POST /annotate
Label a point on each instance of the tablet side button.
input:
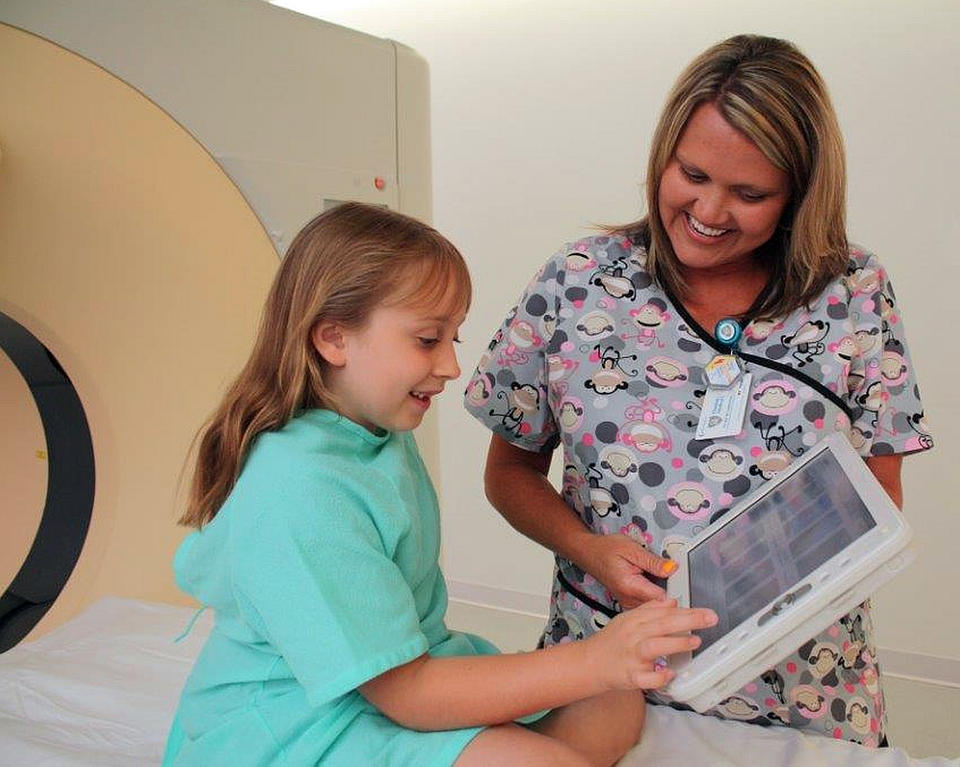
(675, 549)
(801, 591)
(783, 603)
(896, 563)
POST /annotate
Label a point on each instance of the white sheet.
(100, 691)
(684, 738)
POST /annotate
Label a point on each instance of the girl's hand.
(620, 564)
(625, 651)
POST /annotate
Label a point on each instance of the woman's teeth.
(420, 395)
(703, 229)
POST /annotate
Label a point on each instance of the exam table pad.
(100, 691)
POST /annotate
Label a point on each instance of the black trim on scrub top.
(708, 338)
(600, 607)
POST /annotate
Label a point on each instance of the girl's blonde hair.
(769, 91)
(341, 266)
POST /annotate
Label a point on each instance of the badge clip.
(728, 387)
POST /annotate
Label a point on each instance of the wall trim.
(507, 600)
(918, 667)
(903, 664)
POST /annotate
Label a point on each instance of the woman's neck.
(727, 291)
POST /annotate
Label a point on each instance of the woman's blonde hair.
(769, 91)
(341, 266)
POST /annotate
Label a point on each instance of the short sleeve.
(882, 387)
(316, 581)
(508, 390)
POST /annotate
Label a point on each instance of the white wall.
(542, 112)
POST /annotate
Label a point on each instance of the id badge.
(724, 409)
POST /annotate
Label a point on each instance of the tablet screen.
(775, 543)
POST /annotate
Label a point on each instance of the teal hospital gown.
(322, 569)
(597, 360)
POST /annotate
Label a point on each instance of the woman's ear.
(328, 340)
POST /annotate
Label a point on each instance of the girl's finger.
(639, 589)
(661, 602)
(669, 620)
(655, 609)
(651, 649)
(649, 615)
(652, 680)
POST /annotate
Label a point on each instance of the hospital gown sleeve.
(317, 582)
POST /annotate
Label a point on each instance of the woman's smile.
(700, 228)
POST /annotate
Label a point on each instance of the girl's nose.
(446, 365)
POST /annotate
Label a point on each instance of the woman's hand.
(626, 650)
(621, 564)
(516, 484)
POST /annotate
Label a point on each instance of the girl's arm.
(886, 468)
(516, 484)
(465, 691)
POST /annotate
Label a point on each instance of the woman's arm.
(516, 484)
(886, 468)
(515, 481)
(453, 692)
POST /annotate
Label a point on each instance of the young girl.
(319, 540)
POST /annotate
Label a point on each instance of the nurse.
(739, 281)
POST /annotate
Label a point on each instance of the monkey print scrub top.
(597, 358)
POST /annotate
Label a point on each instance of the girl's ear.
(329, 341)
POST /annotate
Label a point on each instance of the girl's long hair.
(769, 91)
(341, 266)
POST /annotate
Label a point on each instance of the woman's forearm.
(886, 468)
(516, 483)
(466, 691)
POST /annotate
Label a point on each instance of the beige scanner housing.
(156, 160)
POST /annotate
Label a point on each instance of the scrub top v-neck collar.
(709, 339)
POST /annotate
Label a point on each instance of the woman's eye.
(428, 342)
(753, 196)
(695, 176)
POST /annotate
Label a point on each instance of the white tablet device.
(781, 566)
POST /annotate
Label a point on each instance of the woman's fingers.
(651, 563)
(645, 561)
(621, 564)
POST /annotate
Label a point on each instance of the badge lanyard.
(728, 386)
